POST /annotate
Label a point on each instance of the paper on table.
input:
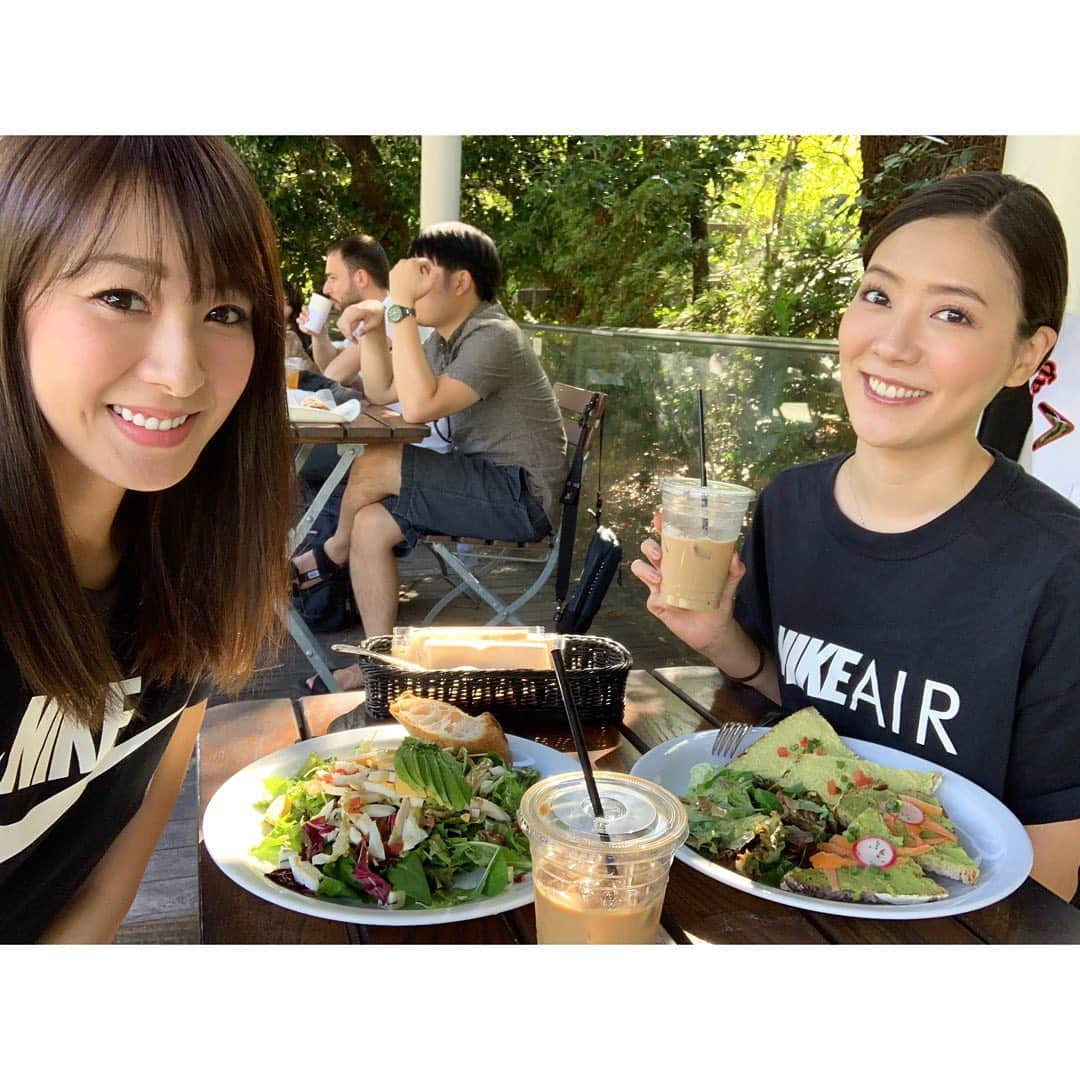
(346, 412)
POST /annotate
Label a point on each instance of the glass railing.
(769, 403)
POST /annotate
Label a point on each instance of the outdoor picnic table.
(375, 424)
(697, 909)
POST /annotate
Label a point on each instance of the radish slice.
(874, 851)
(910, 813)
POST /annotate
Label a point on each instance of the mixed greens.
(753, 824)
(414, 827)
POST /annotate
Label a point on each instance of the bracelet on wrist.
(756, 672)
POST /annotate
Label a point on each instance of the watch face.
(395, 312)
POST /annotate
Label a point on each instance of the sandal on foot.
(325, 569)
(317, 686)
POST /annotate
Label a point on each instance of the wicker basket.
(597, 668)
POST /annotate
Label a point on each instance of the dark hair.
(295, 299)
(1021, 220)
(206, 557)
(362, 252)
(454, 245)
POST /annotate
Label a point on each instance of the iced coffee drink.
(600, 882)
(701, 528)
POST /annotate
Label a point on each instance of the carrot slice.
(939, 829)
(833, 789)
(861, 779)
(828, 860)
(783, 752)
(920, 849)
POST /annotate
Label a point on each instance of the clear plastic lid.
(640, 817)
(683, 487)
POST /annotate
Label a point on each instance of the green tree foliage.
(602, 228)
(753, 235)
(784, 243)
(320, 188)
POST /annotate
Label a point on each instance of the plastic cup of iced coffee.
(700, 530)
(600, 882)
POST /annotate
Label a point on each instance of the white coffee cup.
(318, 312)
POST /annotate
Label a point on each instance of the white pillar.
(1051, 450)
(440, 178)
(1052, 164)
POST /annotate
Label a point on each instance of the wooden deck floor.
(165, 910)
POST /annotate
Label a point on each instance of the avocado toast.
(804, 749)
(865, 864)
(894, 832)
(926, 825)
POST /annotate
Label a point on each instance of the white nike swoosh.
(21, 834)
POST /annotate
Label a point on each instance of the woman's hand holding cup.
(706, 631)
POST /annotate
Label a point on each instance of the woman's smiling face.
(132, 374)
(931, 335)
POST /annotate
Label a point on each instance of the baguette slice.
(446, 725)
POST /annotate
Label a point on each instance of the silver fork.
(731, 732)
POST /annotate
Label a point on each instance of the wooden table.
(697, 909)
(375, 424)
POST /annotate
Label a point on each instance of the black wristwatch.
(395, 312)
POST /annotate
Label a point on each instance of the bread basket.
(597, 667)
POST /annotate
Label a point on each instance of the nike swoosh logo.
(21, 834)
(1059, 427)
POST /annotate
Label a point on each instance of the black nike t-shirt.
(65, 792)
(958, 641)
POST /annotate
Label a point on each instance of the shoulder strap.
(571, 496)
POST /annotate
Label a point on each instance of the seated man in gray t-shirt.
(507, 465)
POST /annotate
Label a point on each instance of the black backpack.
(604, 556)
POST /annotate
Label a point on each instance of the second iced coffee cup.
(600, 883)
(701, 527)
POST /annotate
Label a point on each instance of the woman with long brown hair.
(144, 497)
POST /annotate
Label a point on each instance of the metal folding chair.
(472, 560)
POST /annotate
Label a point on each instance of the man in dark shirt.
(507, 464)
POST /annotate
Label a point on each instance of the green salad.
(413, 827)
(753, 824)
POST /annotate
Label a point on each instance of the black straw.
(701, 433)
(575, 729)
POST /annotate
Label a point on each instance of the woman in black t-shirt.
(144, 497)
(963, 293)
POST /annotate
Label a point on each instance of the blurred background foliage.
(737, 234)
(750, 235)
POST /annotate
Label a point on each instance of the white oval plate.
(231, 827)
(990, 833)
